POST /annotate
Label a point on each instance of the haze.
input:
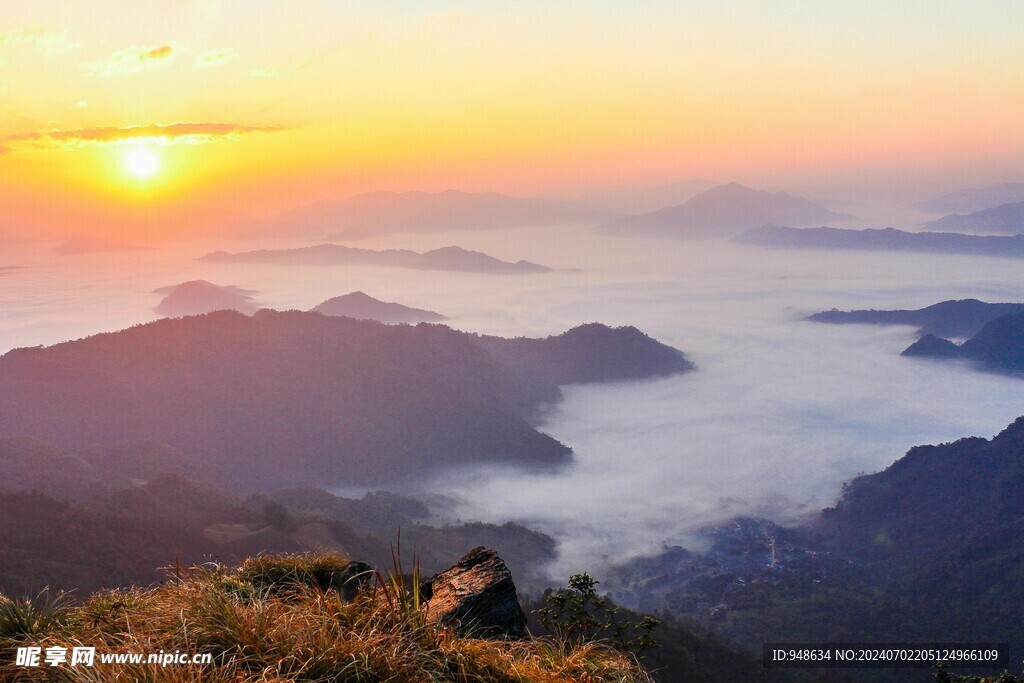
(254, 108)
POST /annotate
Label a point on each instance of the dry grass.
(271, 620)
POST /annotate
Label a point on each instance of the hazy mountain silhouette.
(28, 464)
(960, 318)
(375, 213)
(364, 307)
(884, 239)
(647, 199)
(127, 463)
(199, 296)
(974, 199)
(445, 258)
(93, 245)
(1005, 218)
(724, 211)
(998, 346)
(6, 270)
(290, 399)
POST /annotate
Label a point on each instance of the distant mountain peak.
(725, 211)
(196, 297)
(973, 199)
(362, 306)
(1004, 219)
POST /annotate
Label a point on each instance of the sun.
(141, 162)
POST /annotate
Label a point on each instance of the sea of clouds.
(779, 413)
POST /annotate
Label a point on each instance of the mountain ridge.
(723, 211)
(884, 239)
(362, 306)
(951, 318)
(998, 346)
(1005, 219)
(289, 398)
(450, 258)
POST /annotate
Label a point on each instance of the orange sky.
(260, 105)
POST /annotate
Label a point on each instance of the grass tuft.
(279, 618)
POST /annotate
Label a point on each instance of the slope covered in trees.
(953, 318)
(291, 399)
(999, 346)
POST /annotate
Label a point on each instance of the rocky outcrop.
(476, 597)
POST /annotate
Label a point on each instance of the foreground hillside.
(296, 399)
(930, 549)
(118, 534)
(297, 618)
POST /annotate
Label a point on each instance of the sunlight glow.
(141, 162)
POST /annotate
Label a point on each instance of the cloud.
(132, 60)
(164, 134)
(213, 58)
(42, 40)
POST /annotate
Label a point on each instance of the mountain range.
(723, 212)
(292, 399)
(1003, 219)
(929, 549)
(960, 318)
(637, 200)
(884, 239)
(999, 345)
(973, 199)
(446, 258)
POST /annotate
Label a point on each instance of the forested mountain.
(960, 318)
(931, 548)
(999, 345)
(290, 399)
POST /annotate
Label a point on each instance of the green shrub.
(582, 615)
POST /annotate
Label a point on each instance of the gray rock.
(476, 597)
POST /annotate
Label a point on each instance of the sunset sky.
(111, 107)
